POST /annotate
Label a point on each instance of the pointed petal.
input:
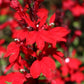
(52, 19)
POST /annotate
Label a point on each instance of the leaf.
(8, 82)
(3, 18)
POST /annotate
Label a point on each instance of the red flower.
(74, 63)
(20, 34)
(82, 10)
(53, 52)
(53, 36)
(14, 4)
(78, 77)
(67, 4)
(65, 70)
(52, 19)
(14, 78)
(46, 65)
(38, 32)
(77, 10)
(58, 81)
(12, 51)
(2, 26)
(4, 11)
(12, 23)
(18, 65)
(78, 33)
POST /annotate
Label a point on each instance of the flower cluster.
(74, 6)
(33, 51)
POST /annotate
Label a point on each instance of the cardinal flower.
(13, 78)
(12, 51)
(38, 31)
(45, 66)
(77, 10)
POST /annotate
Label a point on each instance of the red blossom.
(78, 33)
(78, 77)
(65, 70)
(20, 34)
(52, 19)
(46, 36)
(12, 51)
(57, 81)
(18, 65)
(34, 51)
(77, 10)
(46, 65)
(14, 78)
(67, 4)
(74, 63)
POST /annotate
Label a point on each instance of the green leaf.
(76, 24)
(41, 77)
(2, 18)
(21, 1)
(83, 82)
(58, 64)
(76, 42)
(8, 82)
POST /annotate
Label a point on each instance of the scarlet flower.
(53, 52)
(65, 70)
(78, 77)
(68, 4)
(20, 34)
(12, 23)
(12, 51)
(18, 65)
(4, 11)
(46, 36)
(77, 10)
(74, 63)
(78, 33)
(14, 4)
(45, 66)
(38, 30)
(57, 81)
(14, 78)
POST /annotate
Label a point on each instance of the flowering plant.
(33, 52)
